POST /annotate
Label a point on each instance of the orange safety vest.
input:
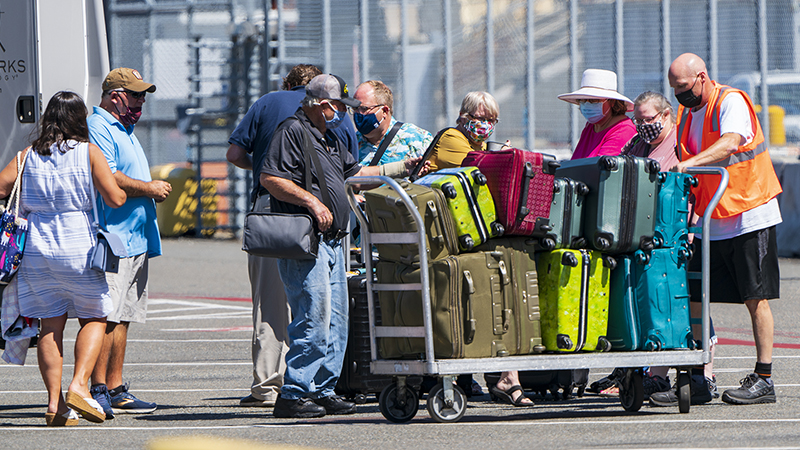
(752, 181)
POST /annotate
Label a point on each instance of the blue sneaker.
(100, 395)
(125, 403)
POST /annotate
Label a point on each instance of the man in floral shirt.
(374, 122)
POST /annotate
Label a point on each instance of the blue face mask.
(593, 112)
(338, 117)
(366, 123)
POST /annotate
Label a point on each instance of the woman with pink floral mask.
(607, 128)
(476, 121)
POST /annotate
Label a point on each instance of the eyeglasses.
(325, 102)
(365, 109)
(590, 100)
(134, 94)
(484, 119)
(645, 120)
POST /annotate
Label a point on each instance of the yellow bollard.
(777, 131)
(177, 214)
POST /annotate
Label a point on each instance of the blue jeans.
(317, 293)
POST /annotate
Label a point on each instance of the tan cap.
(124, 78)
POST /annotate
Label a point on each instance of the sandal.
(87, 407)
(67, 419)
(507, 395)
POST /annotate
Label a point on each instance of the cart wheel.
(684, 392)
(393, 409)
(441, 412)
(631, 390)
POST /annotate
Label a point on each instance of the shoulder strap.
(385, 143)
(17, 189)
(414, 176)
(91, 188)
(309, 151)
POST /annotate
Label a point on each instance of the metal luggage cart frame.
(446, 401)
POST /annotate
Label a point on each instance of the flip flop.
(507, 397)
(67, 419)
(88, 407)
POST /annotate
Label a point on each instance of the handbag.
(14, 228)
(287, 236)
(109, 247)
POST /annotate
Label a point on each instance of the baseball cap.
(124, 78)
(331, 87)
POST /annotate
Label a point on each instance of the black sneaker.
(334, 404)
(700, 388)
(653, 384)
(753, 389)
(302, 408)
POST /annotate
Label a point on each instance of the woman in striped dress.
(54, 281)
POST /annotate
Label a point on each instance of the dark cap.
(331, 87)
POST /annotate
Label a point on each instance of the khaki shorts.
(128, 290)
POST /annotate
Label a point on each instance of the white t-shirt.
(734, 117)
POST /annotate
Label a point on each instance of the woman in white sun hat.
(607, 129)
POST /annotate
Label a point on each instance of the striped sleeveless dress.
(54, 277)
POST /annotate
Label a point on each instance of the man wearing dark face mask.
(717, 125)
(374, 122)
(111, 128)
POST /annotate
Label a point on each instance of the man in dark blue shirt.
(249, 143)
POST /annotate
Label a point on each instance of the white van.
(784, 91)
(46, 46)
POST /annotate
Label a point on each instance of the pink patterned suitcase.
(521, 183)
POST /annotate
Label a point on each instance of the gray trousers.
(271, 317)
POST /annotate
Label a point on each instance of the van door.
(19, 98)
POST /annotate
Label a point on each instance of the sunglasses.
(134, 94)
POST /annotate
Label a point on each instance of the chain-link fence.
(432, 52)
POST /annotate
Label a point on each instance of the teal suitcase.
(672, 218)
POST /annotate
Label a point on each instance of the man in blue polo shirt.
(111, 129)
(249, 143)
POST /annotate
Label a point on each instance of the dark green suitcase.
(471, 298)
(388, 214)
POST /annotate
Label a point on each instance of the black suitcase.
(560, 383)
(356, 381)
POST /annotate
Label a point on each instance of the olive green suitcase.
(388, 214)
(520, 252)
(573, 296)
(471, 297)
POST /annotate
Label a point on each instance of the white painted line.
(182, 341)
(141, 390)
(249, 329)
(225, 315)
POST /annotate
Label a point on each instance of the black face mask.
(687, 97)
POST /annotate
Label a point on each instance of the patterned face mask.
(649, 131)
(479, 130)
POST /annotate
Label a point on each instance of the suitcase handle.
(527, 176)
(505, 281)
(430, 208)
(470, 325)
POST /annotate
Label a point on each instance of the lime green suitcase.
(470, 204)
(573, 296)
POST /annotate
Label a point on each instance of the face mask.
(687, 97)
(337, 119)
(649, 131)
(366, 123)
(593, 112)
(479, 130)
(130, 116)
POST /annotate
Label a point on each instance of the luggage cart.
(447, 402)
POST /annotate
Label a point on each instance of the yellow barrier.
(777, 131)
(177, 215)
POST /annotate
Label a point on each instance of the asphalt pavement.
(192, 357)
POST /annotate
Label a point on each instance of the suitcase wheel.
(653, 344)
(581, 188)
(449, 191)
(556, 189)
(360, 399)
(603, 344)
(480, 179)
(647, 243)
(547, 244)
(611, 263)
(498, 229)
(608, 163)
(563, 342)
(466, 242)
(602, 243)
(653, 166)
(658, 242)
(579, 242)
(569, 259)
(642, 257)
(662, 177)
(692, 181)
(685, 254)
